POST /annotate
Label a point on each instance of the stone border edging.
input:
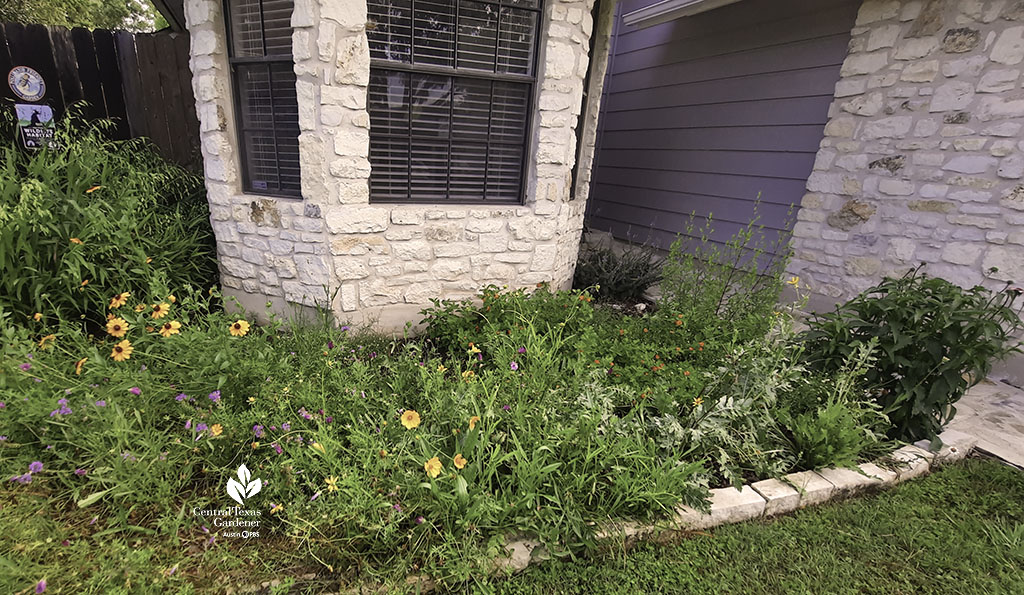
(771, 497)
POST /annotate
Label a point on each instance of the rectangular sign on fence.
(35, 124)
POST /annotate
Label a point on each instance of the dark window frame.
(530, 80)
(269, 60)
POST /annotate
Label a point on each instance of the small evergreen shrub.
(617, 275)
(935, 340)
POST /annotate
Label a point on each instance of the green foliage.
(935, 340)
(94, 217)
(617, 274)
(897, 542)
(728, 289)
(132, 15)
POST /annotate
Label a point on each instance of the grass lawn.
(960, 530)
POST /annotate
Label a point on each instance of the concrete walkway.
(993, 412)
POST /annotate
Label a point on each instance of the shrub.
(935, 340)
(92, 213)
(617, 274)
(726, 289)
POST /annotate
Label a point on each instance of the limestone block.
(997, 81)
(891, 127)
(847, 481)
(896, 187)
(813, 488)
(356, 220)
(450, 269)
(864, 63)
(961, 253)
(1009, 47)
(920, 72)
(1007, 262)
(865, 105)
(884, 477)
(960, 40)
(877, 10)
(953, 95)
(883, 37)
(955, 446)
(779, 497)
(916, 48)
(970, 164)
(728, 505)
(911, 462)
(1011, 167)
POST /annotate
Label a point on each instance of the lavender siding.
(704, 113)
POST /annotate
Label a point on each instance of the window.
(260, 36)
(451, 87)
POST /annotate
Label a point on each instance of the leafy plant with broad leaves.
(935, 340)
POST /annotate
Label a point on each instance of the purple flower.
(328, 419)
(181, 397)
(215, 396)
(397, 507)
(62, 401)
(305, 414)
(188, 425)
(3, 405)
(40, 586)
(277, 448)
(257, 431)
(420, 520)
(343, 329)
(315, 496)
(286, 426)
(3, 438)
(202, 427)
(25, 367)
(35, 467)
(101, 403)
(330, 344)
(135, 390)
(479, 357)
(127, 456)
(513, 366)
(23, 479)
(507, 407)
(80, 472)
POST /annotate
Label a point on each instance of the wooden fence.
(140, 80)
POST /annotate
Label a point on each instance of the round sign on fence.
(26, 83)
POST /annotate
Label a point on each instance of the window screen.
(268, 115)
(451, 83)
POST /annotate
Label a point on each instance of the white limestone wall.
(377, 262)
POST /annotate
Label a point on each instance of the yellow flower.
(140, 307)
(78, 366)
(84, 283)
(276, 508)
(37, 316)
(122, 351)
(473, 350)
(170, 328)
(318, 447)
(216, 430)
(468, 374)
(172, 299)
(239, 328)
(160, 310)
(473, 421)
(148, 260)
(441, 368)
(76, 241)
(93, 189)
(119, 300)
(697, 401)
(332, 484)
(433, 467)
(460, 461)
(410, 419)
(117, 327)
(794, 281)
(46, 341)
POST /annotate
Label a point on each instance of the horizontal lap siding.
(705, 114)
